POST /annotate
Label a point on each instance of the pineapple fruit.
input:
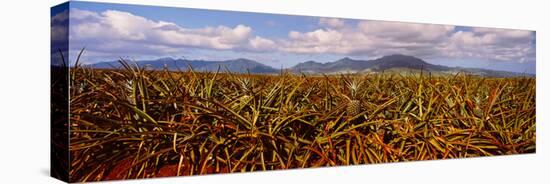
(354, 106)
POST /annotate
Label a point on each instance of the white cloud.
(120, 33)
(59, 27)
(117, 31)
(492, 44)
(373, 38)
(261, 44)
(332, 22)
(378, 38)
(400, 31)
(60, 17)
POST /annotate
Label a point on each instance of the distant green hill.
(236, 65)
(391, 63)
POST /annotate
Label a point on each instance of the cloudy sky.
(111, 31)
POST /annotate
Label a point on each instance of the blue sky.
(111, 31)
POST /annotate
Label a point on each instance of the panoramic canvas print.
(147, 91)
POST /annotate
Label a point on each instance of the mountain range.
(236, 65)
(390, 63)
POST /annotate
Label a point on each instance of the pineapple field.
(138, 123)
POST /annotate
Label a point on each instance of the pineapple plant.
(474, 107)
(246, 87)
(354, 106)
